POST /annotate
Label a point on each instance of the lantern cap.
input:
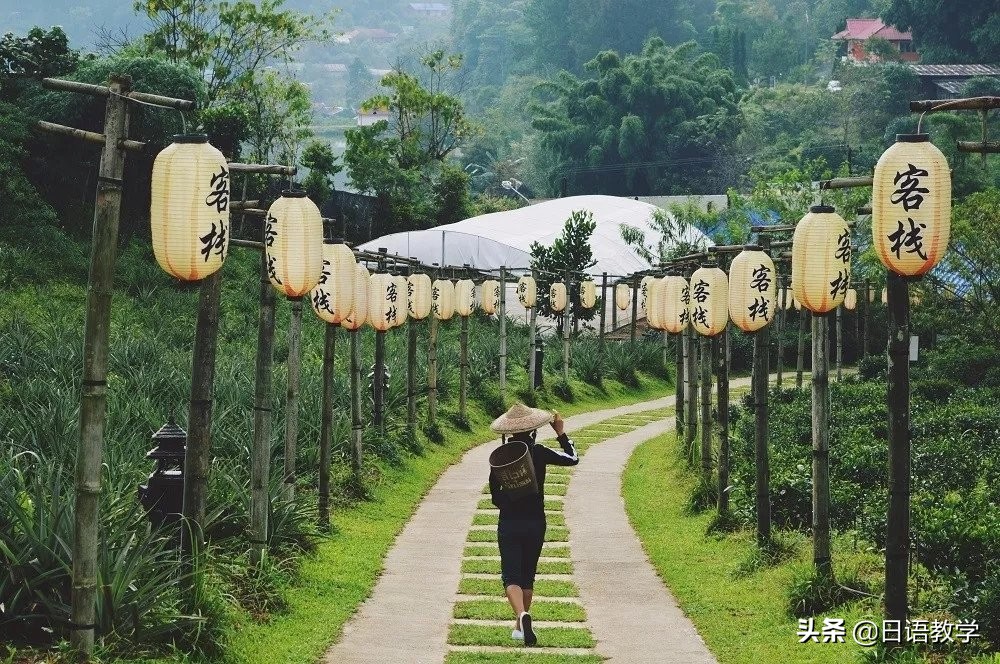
(912, 138)
(822, 209)
(190, 138)
(293, 193)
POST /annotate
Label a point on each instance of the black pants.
(520, 546)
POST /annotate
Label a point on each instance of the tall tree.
(952, 31)
(570, 251)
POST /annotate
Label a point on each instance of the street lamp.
(512, 185)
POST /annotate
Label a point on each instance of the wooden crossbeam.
(104, 91)
(88, 136)
(970, 104)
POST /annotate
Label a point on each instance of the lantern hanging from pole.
(189, 208)
(359, 310)
(709, 305)
(623, 296)
(403, 288)
(675, 292)
(465, 297)
(885, 296)
(490, 296)
(527, 291)
(655, 308)
(557, 296)
(911, 206)
(293, 243)
(644, 293)
(443, 299)
(333, 297)
(418, 288)
(752, 289)
(851, 299)
(821, 260)
(384, 302)
(588, 294)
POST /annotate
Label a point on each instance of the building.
(860, 30)
(433, 9)
(947, 81)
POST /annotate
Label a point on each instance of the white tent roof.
(490, 241)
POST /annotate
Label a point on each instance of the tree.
(280, 112)
(361, 85)
(318, 157)
(37, 55)
(953, 31)
(570, 251)
(657, 122)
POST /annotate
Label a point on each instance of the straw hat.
(521, 418)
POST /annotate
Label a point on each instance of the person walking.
(521, 527)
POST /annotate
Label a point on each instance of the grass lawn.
(493, 519)
(549, 637)
(493, 587)
(519, 658)
(493, 567)
(345, 569)
(500, 610)
(742, 618)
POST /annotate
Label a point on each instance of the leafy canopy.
(570, 251)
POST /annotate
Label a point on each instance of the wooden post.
(604, 307)
(723, 397)
(357, 427)
(779, 321)
(680, 341)
(761, 453)
(705, 348)
(532, 331)
(463, 368)
(503, 333)
(804, 317)
(411, 377)
(898, 397)
(635, 306)
(614, 310)
(432, 381)
(292, 396)
(197, 453)
(840, 341)
(326, 425)
(260, 469)
(821, 445)
(866, 342)
(93, 398)
(566, 330)
(692, 393)
(378, 384)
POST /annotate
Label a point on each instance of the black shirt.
(533, 507)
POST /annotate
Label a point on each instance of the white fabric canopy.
(490, 241)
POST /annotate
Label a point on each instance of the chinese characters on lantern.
(909, 195)
(215, 239)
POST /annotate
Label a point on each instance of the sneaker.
(517, 635)
(529, 634)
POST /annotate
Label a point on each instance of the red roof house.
(860, 30)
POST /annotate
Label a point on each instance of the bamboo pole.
(804, 317)
(463, 369)
(779, 320)
(969, 104)
(432, 372)
(761, 452)
(88, 136)
(503, 333)
(840, 342)
(723, 397)
(603, 314)
(821, 446)
(378, 384)
(898, 399)
(260, 473)
(326, 424)
(411, 378)
(614, 312)
(705, 348)
(979, 147)
(692, 393)
(680, 350)
(866, 341)
(532, 331)
(635, 307)
(292, 396)
(93, 398)
(357, 427)
(566, 330)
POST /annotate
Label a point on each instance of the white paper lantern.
(676, 298)
(293, 243)
(527, 291)
(419, 296)
(333, 297)
(443, 299)
(851, 299)
(644, 292)
(403, 288)
(655, 304)
(821, 260)
(623, 296)
(465, 297)
(384, 302)
(752, 289)
(359, 310)
(709, 301)
(189, 208)
(588, 294)
(557, 296)
(911, 206)
(490, 296)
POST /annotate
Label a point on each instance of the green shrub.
(812, 592)
(962, 361)
(622, 362)
(873, 367)
(588, 363)
(563, 390)
(934, 389)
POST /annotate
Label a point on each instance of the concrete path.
(406, 619)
